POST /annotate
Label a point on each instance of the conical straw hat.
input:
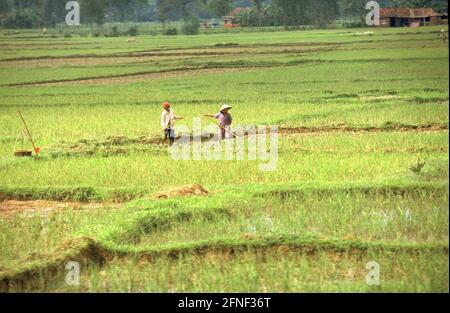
(224, 107)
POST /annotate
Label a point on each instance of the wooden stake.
(28, 131)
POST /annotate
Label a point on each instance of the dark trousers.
(170, 134)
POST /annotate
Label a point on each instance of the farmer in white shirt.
(168, 118)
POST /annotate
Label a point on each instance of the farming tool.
(22, 152)
(218, 124)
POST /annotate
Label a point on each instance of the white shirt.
(167, 118)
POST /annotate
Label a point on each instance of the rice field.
(362, 170)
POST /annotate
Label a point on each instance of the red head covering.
(166, 105)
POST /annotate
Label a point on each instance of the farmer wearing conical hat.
(168, 118)
(225, 120)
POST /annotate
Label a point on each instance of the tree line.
(287, 13)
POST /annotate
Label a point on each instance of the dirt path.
(31, 207)
(149, 55)
(90, 61)
(136, 77)
(344, 129)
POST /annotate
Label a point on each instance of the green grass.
(366, 218)
(386, 235)
(362, 172)
(104, 46)
(263, 272)
(29, 237)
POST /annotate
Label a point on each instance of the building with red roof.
(232, 20)
(411, 17)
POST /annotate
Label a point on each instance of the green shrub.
(23, 18)
(133, 31)
(114, 32)
(172, 31)
(354, 24)
(191, 27)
